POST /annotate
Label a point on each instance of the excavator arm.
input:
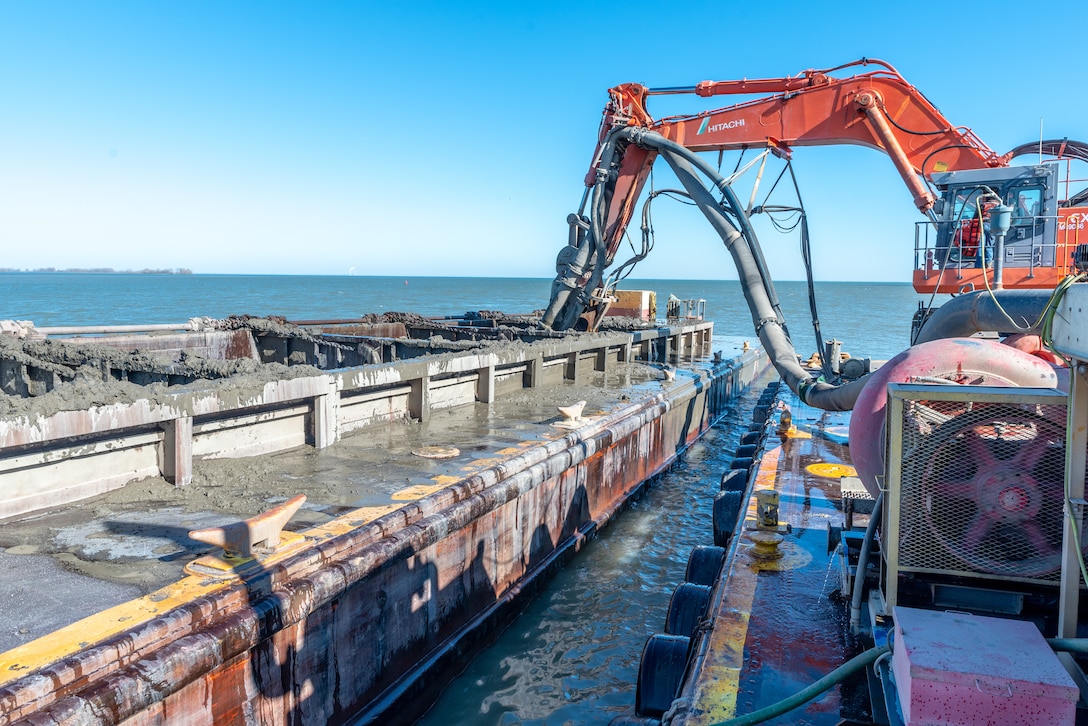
(878, 109)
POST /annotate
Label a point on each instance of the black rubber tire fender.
(735, 480)
(687, 607)
(704, 565)
(660, 673)
(726, 512)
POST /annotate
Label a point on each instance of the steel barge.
(430, 475)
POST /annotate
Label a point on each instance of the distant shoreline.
(418, 278)
(101, 271)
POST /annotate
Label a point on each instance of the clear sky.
(425, 138)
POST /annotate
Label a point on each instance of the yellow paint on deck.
(792, 558)
(63, 642)
(223, 565)
(795, 433)
(441, 481)
(714, 697)
(417, 491)
(66, 641)
(831, 471)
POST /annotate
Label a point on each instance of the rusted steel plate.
(354, 622)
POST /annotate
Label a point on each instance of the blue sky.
(450, 139)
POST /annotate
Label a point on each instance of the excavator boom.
(878, 109)
(874, 108)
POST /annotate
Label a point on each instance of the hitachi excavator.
(975, 485)
(988, 225)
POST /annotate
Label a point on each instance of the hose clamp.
(766, 321)
(803, 389)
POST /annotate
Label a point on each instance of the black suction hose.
(755, 282)
(561, 314)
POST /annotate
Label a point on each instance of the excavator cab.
(963, 250)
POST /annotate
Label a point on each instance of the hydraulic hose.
(561, 312)
(1068, 645)
(755, 282)
(850, 667)
(805, 695)
(863, 564)
(1004, 311)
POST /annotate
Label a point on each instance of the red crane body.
(878, 109)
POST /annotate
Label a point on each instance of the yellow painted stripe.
(66, 641)
(714, 697)
(69, 640)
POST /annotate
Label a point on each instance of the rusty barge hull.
(355, 620)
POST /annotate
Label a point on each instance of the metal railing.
(931, 257)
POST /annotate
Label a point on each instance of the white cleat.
(572, 412)
(670, 373)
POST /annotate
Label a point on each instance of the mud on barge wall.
(82, 420)
(352, 620)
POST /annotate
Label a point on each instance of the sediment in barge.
(351, 616)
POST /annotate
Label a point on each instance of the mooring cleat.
(573, 412)
(259, 535)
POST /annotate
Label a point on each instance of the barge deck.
(398, 563)
(948, 591)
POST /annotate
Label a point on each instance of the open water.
(872, 319)
(572, 657)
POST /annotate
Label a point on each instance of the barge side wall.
(358, 621)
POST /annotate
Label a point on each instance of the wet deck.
(779, 621)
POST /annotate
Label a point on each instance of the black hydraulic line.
(776, 181)
(806, 255)
(1056, 148)
(733, 205)
(756, 286)
(562, 311)
(908, 131)
(933, 153)
(621, 271)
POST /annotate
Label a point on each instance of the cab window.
(1027, 203)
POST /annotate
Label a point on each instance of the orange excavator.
(988, 224)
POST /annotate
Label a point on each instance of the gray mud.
(138, 535)
(82, 374)
(83, 557)
(90, 390)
